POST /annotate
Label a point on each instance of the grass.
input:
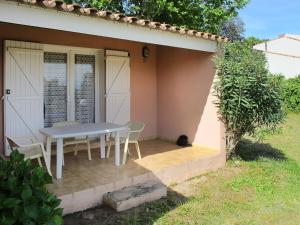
(261, 186)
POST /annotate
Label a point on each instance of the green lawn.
(262, 187)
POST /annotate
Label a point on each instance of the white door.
(117, 88)
(23, 100)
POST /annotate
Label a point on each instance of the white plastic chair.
(131, 137)
(74, 141)
(33, 150)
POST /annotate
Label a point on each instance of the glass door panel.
(84, 71)
(55, 88)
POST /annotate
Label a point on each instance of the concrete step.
(133, 196)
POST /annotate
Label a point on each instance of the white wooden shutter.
(117, 87)
(24, 80)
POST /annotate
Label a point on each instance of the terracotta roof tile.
(164, 26)
(173, 28)
(65, 7)
(116, 16)
(130, 19)
(154, 25)
(191, 32)
(182, 30)
(49, 3)
(76, 8)
(102, 13)
(142, 22)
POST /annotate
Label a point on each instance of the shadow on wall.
(185, 106)
(251, 151)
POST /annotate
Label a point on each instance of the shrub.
(248, 97)
(292, 94)
(24, 198)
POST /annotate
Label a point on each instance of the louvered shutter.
(23, 90)
(117, 87)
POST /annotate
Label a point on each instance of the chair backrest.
(12, 144)
(29, 150)
(65, 123)
(135, 128)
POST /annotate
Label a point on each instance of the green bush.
(24, 198)
(292, 94)
(248, 97)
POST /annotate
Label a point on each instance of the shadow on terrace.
(84, 182)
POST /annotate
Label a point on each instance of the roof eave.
(61, 20)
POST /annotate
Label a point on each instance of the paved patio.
(84, 182)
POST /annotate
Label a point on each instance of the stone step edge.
(135, 195)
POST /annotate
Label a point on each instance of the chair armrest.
(31, 146)
(25, 139)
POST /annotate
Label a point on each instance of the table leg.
(59, 156)
(102, 146)
(125, 151)
(117, 148)
(48, 150)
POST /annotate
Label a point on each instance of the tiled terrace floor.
(161, 160)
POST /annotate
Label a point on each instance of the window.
(70, 86)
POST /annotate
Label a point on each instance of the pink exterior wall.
(143, 74)
(185, 101)
(170, 91)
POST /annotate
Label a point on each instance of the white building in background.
(283, 54)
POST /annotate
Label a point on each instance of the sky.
(269, 18)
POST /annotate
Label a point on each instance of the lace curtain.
(85, 88)
(55, 88)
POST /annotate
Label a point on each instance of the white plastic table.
(77, 130)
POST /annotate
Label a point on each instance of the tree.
(249, 98)
(251, 41)
(233, 29)
(205, 15)
(111, 5)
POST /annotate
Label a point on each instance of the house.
(283, 54)
(64, 62)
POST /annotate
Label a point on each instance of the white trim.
(281, 54)
(101, 107)
(70, 85)
(109, 52)
(12, 12)
(99, 60)
(66, 49)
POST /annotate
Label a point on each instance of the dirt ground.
(177, 194)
